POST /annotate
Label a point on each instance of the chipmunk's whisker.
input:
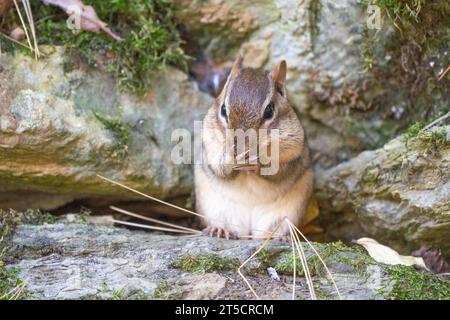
(320, 259)
(135, 215)
(145, 226)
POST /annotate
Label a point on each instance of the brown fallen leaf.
(434, 259)
(88, 19)
(383, 254)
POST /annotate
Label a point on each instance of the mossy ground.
(120, 294)
(11, 286)
(204, 263)
(148, 27)
(409, 284)
(432, 138)
(338, 252)
(166, 291)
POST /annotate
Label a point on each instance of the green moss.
(315, 10)
(285, 264)
(406, 283)
(264, 256)
(148, 27)
(412, 132)
(206, 263)
(11, 218)
(119, 294)
(82, 216)
(165, 291)
(336, 252)
(402, 11)
(120, 131)
(434, 138)
(370, 178)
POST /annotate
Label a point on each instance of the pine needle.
(145, 226)
(29, 13)
(294, 274)
(135, 215)
(444, 73)
(253, 255)
(25, 29)
(150, 197)
(303, 261)
(320, 259)
(15, 41)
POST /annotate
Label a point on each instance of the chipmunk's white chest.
(247, 205)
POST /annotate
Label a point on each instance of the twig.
(132, 214)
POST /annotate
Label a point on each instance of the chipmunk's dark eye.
(223, 111)
(268, 112)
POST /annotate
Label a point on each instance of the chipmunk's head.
(252, 99)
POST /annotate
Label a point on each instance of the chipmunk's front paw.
(219, 233)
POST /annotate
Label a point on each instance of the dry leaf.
(88, 19)
(312, 213)
(434, 259)
(386, 255)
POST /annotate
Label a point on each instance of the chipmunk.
(238, 201)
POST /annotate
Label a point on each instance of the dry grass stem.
(146, 226)
(135, 215)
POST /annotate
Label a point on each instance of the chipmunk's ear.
(279, 76)
(237, 66)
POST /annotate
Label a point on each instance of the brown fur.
(246, 202)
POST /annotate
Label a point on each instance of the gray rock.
(399, 194)
(82, 261)
(59, 129)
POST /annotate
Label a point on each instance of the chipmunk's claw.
(219, 233)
